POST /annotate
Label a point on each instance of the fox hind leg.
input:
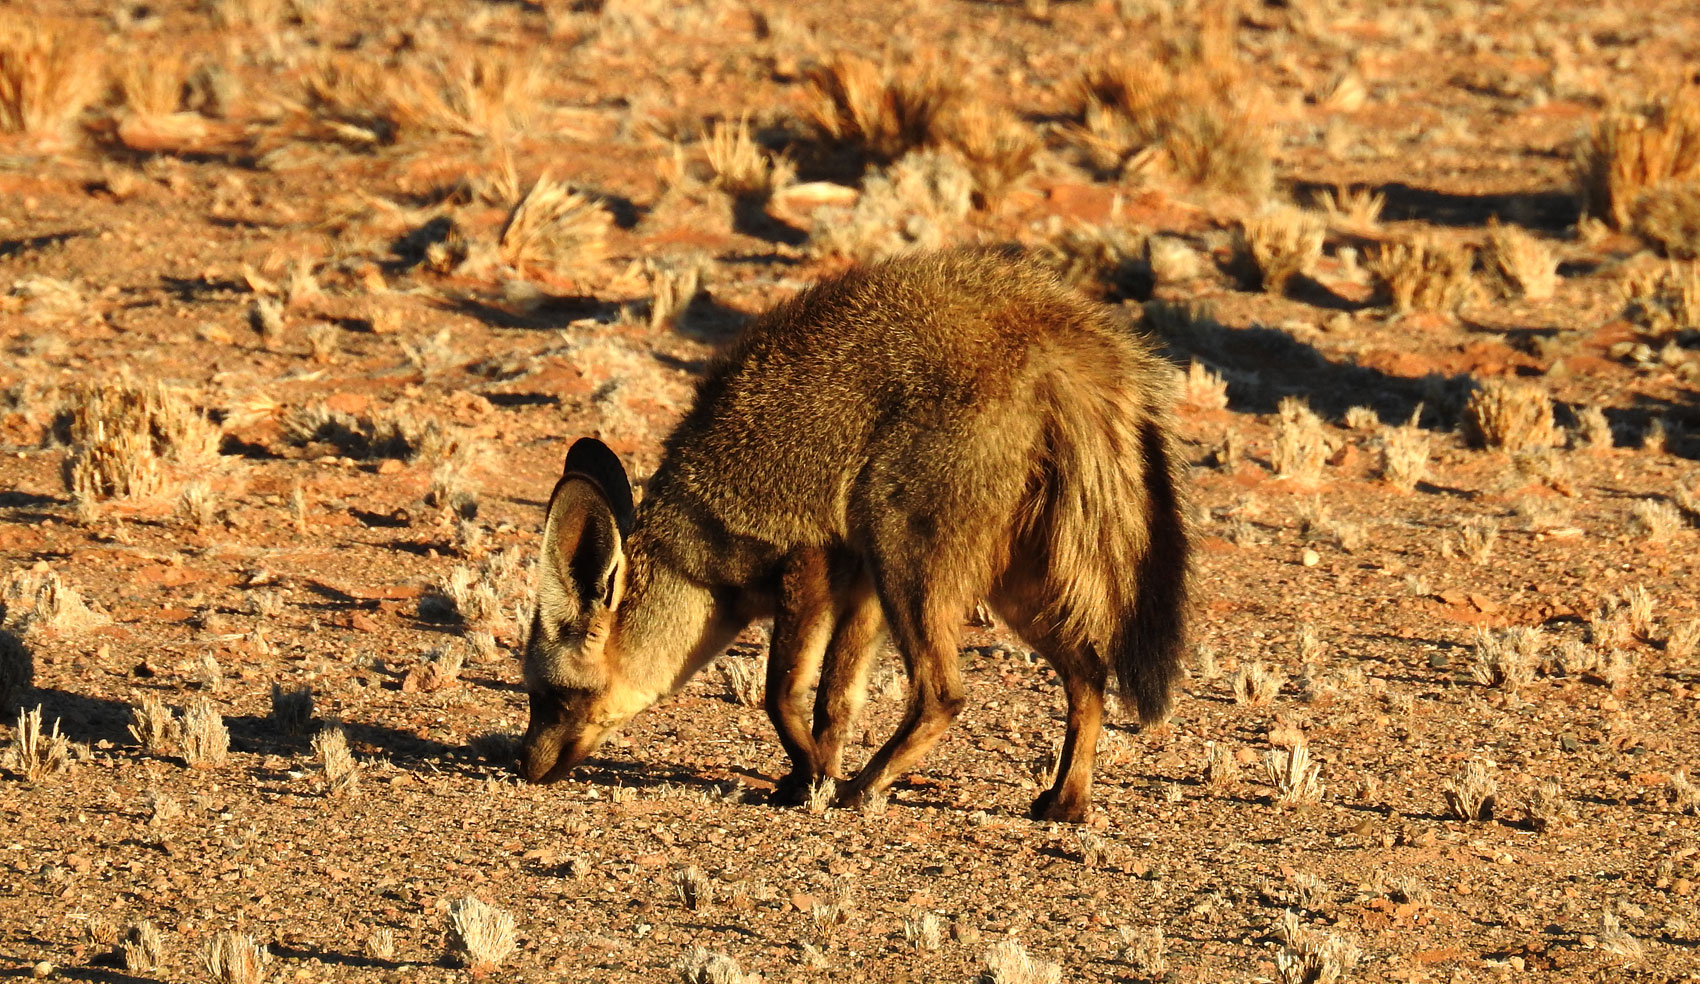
(844, 675)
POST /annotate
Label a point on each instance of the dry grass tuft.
(1424, 274)
(916, 204)
(1519, 263)
(1616, 940)
(1221, 768)
(1404, 455)
(1684, 794)
(1547, 808)
(399, 432)
(152, 726)
(234, 958)
(744, 676)
(700, 965)
(1146, 951)
(1470, 795)
(924, 932)
(694, 889)
(997, 149)
(487, 93)
(1301, 444)
(741, 168)
(49, 73)
(882, 112)
(1662, 301)
(37, 600)
(1633, 156)
(1352, 209)
(1193, 111)
(17, 670)
(555, 228)
(1506, 660)
(1009, 962)
(202, 738)
(35, 753)
(481, 935)
(330, 747)
(1316, 958)
(1255, 685)
(1669, 217)
(1272, 248)
(1512, 416)
(1203, 388)
(1297, 780)
(438, 669)
(123, 434)
(1655, 519)
(141, 950)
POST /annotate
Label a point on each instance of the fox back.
(941, 429)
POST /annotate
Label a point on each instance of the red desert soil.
(296, 216)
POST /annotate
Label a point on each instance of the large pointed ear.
(590, 459)
(583, 554)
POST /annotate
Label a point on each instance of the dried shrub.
(35, 753)
(1146, 951)
(693, 888)
(1592, 430)
(1512, 416)
(1297, 780)
(485, 93)
(1194, 111)
(1009, 962)
(1203, 388)
(1655, 519)
(437, 670)
(1519, 263)
(1353, 209)
(1470, 795)
(123, 434)
(1255, 685)
(1107, 260)
(744, 676)
(1404, 456)
(1669, 217)
(1663, 302)
(1221, 768)
(1301, 444)
(151, 83)
(38, 601)
(17, 670)
(202, 738)
(1316, 958)
(1477, 537)
(1547, 808)
(1506, 660)
(672, 289)
(481, 935)
(398, 432)
(1616, 940)
(152, 726)
(141, 951)
(1272, 248)
(924, 932)
(882, 112)
(700, 965)
(1424, 274)
(997, 150)
(917, 203)
(555, 228)
(234, 958)
(1633, 154)
(741, 168)
(49, 73)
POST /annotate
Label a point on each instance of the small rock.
(42, 969)
(1310, 558)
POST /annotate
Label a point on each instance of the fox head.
(574, 672)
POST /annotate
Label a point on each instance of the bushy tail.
(1114, 518)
